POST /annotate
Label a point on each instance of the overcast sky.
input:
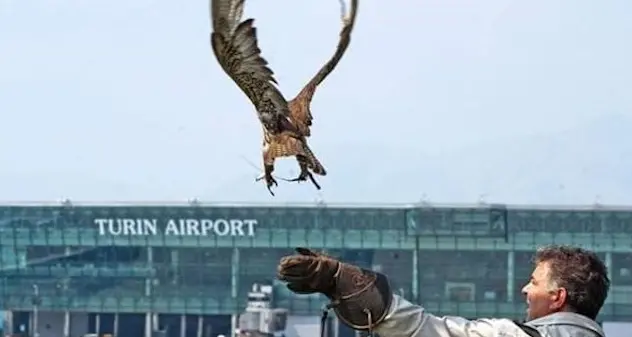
(123, 100)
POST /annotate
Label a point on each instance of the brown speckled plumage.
(286, 125)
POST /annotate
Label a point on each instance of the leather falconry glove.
(360, 297)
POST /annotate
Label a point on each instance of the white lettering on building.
(176, 227)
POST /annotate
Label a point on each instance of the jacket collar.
(568, 318)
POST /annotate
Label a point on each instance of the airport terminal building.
(130, 270)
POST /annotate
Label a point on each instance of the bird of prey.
(286, 124)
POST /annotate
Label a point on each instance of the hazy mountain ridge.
(579, 166)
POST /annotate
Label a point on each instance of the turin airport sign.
(175, 227)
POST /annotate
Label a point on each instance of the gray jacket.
(405, 319)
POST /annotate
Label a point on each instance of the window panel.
(198, 271)
(621, 269)
(398, 266)
(463, 275)
(259, 266)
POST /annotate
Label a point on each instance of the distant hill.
(579, 166)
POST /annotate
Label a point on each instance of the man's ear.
(559, 297)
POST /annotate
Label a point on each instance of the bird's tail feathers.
(313, 163)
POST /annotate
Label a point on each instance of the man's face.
(543, 298)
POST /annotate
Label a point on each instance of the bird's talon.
(270, 181)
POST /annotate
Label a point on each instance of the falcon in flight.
(286, 124)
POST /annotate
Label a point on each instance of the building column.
(511, 276)
(183, 325)
(97, 324)
(234, 274)
(148, 294)
(147, 324)
(175, 261)
(116, 325)
(8, 323)
(415, 266)
(154, 322)
(200, 326)
(608, 263)
(66, 323)
(36, 302)
(234, 288)
(65, 282)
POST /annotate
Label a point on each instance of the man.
(564, 295)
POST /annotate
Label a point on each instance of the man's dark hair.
(581, 273)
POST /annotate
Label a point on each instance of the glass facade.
(201, 260)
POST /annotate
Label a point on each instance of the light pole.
(36, 302)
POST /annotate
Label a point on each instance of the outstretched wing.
(300, 105)
(235, 46)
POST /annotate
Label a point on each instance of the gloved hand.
(309, 272)
(360, 297)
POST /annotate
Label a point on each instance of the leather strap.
(529, 330)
